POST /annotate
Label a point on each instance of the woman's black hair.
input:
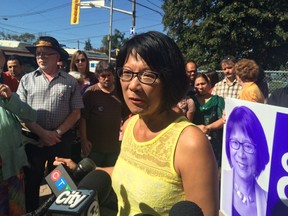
(163, 56)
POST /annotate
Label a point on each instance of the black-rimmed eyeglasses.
(145, 76)
(44, 54)
(248, 147)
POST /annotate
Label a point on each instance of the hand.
(66, 161)
(86, 147)
(49, 138)
(224, 116)
(205, 128)
(5, 91)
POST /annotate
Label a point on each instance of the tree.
(25, 37)
(117, 40)
(206, 31)
(88, 45)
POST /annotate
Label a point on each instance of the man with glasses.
(101, 118)
(191, 71)
(55, 96)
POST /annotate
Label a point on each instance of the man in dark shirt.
(101, 118)
(279, 97)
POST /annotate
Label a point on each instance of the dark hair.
(15, 58)
(163, 56)
(245, 119)
(191, 61)
(104, 66)
(203, 75)
(73, 66)
(228, 60)
(213, 77)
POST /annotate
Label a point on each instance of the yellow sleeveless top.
(144, 177)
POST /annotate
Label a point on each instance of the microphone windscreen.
(99, 181)
(84, 167)
(186, 208)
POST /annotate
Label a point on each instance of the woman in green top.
(208, 113)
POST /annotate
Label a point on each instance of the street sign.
(132, 31)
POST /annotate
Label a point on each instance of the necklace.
(246, 199)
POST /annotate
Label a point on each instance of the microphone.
(59, 180)
(84, 167)
(92, 191)
(186, 208)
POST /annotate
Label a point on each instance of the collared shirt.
(225, 90)
(53, 100)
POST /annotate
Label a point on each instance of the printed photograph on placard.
(251, 155)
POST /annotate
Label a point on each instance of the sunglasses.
(80, 60)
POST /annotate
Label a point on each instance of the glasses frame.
(44, 54)
(138, 74)
(244, 146)
(80, 60)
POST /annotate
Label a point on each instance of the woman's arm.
(72, 165)
(195, 163)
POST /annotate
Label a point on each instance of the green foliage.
(25, 37)
(88, 45)
(117, 40)
(208, 30)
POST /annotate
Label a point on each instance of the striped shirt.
(53, 100)
(226, 91)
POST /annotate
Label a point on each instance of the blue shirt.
(53, 100)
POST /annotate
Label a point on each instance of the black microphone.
(84, 167)
(186, 208)
(60, 180)
(92, 191)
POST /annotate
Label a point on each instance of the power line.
(37, 12)
(148, 8)
(154, 4)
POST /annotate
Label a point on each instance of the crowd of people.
(171, 117)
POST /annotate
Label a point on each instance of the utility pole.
(110, 32)
(133, 13)
(101, 4)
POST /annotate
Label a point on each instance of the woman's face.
(244, 163)
(143, 99)
(81, 62)
(201, 85)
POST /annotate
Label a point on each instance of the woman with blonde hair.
(80, 63)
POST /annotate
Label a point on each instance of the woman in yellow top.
(164, 158)
(247, 72)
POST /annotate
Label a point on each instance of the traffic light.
(75, 12)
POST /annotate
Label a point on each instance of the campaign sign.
(254, 174)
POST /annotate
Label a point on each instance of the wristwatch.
(58, 131)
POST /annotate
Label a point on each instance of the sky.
(52, 17)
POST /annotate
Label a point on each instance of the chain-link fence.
(275, 79)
